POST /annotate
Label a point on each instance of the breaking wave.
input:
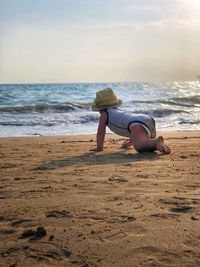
(160, 113)
(45, 107)
(190, 101)
(49, 121)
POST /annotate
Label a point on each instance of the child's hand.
(97, 149)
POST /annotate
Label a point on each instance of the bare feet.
(160, 146)
(126, 144)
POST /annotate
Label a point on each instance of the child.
(140, 128)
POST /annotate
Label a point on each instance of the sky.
(61, 41)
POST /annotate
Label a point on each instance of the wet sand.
(62, 206)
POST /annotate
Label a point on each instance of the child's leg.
(142, 143)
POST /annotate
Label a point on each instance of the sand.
(62, 206)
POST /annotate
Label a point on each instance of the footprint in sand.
(157, 256)
(179, 204)
(117, 179)
(34, 235)
(181, 209)
(22, 222)
(39, 252)
(6, 231)
(59, 214)
(3, 195)
(165, 215)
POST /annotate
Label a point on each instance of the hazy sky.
(99, 40)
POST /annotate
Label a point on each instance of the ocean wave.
(80, 118)
(28, 123)
(159, 113)
(46, 107)
(193, 99)
(189, 101)
(189, 122)
(48, 122)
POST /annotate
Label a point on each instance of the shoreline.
(114, 208)
(159, 132)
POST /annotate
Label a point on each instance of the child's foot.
(160, 146)
(126, 144)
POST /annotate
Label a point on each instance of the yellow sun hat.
(105, 99)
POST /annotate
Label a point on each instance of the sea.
(65, 109)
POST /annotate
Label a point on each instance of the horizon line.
(150, 81)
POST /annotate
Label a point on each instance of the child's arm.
(101, 131)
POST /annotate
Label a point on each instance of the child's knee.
(139, 147)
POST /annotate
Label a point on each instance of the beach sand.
(62, 206)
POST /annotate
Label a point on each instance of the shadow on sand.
(98, 159)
